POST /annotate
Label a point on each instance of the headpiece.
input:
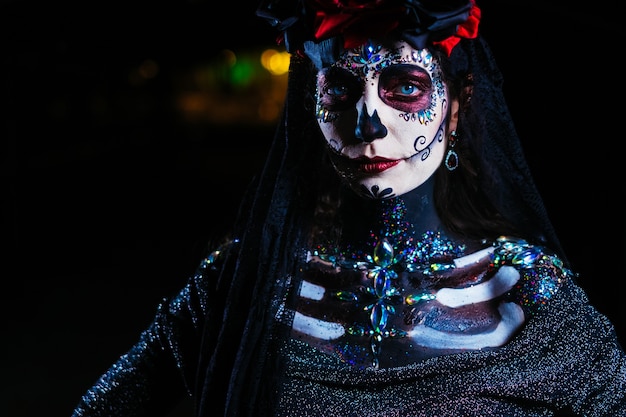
(322, 29)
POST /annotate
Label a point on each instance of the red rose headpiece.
(342, 24)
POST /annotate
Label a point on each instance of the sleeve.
(155, 374)
(579, 366)
(601, 378)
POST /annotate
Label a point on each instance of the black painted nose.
(368, 128)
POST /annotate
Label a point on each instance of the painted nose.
(368, 128)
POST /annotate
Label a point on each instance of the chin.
(398, 179)
(377, 188)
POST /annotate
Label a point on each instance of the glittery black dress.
(563, 361)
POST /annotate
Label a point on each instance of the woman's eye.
(337, 90)
(401, 94)
(407, 89)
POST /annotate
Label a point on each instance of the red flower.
(468, 30)
(422, 23)
(356, 20)
(359, 20)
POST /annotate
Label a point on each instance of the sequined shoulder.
(541, 271)
(216, 257)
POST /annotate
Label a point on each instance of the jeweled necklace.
(391, 249)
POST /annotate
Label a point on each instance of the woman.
(393, 259)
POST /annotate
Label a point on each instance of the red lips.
(376, 165)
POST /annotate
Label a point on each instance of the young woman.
(393, 259)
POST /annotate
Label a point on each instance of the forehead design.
(368, 60)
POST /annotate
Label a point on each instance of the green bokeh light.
(242, 73)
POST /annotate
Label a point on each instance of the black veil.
(254, 283)
(504, 175)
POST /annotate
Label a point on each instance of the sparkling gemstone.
(383, 253)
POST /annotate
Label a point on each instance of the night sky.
(109, 211)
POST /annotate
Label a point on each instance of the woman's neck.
(411, 214)
(420, 208)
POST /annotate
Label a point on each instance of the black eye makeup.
(405, 87)
(338, 89)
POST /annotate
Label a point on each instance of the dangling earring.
(452, 158)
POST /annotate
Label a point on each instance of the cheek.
(339, 132)
(409, 129)
(330, 135)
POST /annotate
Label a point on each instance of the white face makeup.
(383, 114)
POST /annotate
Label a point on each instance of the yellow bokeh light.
(277, 63)
(237, 88)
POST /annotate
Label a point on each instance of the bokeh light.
(236, 87)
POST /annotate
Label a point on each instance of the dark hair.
(461, 201)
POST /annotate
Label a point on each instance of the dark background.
(106, 212)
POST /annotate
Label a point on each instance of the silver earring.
(452, 158)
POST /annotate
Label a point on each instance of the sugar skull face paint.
(382, 111)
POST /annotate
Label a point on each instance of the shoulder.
(217, 256)
(212, 266)
(523, 255)
(541, 272)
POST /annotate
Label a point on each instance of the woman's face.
(383, 114)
